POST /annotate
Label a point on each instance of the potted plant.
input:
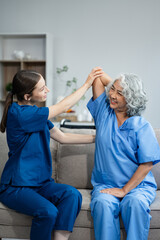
(69, 84)
(9, 87)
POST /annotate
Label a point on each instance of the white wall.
(119, 35)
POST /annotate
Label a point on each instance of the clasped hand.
(95, 73)
(117, 192)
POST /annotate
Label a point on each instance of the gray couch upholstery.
(72, 164)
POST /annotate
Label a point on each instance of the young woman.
(126, 149)
(26, 182)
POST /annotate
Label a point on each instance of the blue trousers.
(53, 206)
(134, 210)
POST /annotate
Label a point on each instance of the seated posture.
(26, 182)
(126, 149)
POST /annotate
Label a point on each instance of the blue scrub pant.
(53, 206)
(134, 210)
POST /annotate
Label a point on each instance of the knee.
(133, 203)
(72, 198)
(100, 204)
(52, 213)
(49, 212)
(75, 199)
(74, 194)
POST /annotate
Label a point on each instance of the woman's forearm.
(77, 138)
(138, 177)
(72, 138)
(135, 180)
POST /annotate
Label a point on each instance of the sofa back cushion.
(156, 167)
(75, 164)
(75, 161)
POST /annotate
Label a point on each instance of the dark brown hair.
(23, 83)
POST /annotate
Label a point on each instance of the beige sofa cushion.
(75, 164)
(156, 173)
(75, 161)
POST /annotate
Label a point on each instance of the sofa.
(72, 164)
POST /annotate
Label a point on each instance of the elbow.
(61, 140)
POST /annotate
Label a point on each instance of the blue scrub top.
(28, 137)
(120, 150)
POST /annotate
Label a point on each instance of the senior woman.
(126, 150)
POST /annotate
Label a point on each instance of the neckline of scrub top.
(23, 105)
(127, 124)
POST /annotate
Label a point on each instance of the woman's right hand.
(95, 73)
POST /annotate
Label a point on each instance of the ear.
(27, 97)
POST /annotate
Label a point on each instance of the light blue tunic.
(120, 150)
(118, 153)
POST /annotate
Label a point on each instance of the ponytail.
(8, 102)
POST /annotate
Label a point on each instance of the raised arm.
(99, 85)
(72, 99)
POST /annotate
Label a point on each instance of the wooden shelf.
(39, 47)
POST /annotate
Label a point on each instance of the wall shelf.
(38, 56)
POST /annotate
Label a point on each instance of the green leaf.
(69, 83)
(74, 80)
(65, 68)
(59, 70)
(74, 89)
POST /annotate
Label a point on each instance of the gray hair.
(133, 93)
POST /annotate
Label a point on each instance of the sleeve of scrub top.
(50, 124)
(148, 147)
(33, 118)
(98, 106)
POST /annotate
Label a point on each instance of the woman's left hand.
(117, 192)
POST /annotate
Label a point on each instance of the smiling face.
(39, 94)
(117, 100)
